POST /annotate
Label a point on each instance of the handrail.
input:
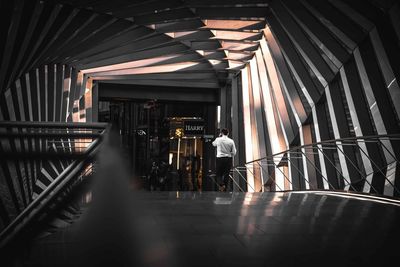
(49, 135)
(302, 152)
(329, 142)
(58, 184)
(61, 125)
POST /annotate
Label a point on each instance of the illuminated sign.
(141, 132)
(193, 127)
(178, 132)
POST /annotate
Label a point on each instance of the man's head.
(225, 131)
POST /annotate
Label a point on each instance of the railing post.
(298, 170)
(333, 177)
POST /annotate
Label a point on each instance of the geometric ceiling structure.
(138, 42)
(286, 73)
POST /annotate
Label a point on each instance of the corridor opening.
(164, 141)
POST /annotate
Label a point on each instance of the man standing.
(225, 151)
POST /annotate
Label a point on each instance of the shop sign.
(140, 132)
(193, 127)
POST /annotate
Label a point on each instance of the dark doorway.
(148, 141)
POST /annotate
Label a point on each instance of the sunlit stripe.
(235, 64)
(335, 126)
(132, 64)
(247, 126)
(320, 155)
(304, 160)
(180, 34)
(276, 140)
(390, 179)
(232, 45)
(67, 90)
(386, 69)
(219, 116)
(358, 130)
(376, 113)
(153, 69)
(229, 24)
(234, 35)
(258, 138)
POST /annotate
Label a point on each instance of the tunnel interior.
(309, 90)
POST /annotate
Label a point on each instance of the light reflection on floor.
(229, 229)
(122, 227)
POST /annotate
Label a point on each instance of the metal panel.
(76, 26)
(63, 19)
(85, 36)
(363, 126)
(74, 81)
(235, 128)
(385, 31)
(59, 75)
(259, 119)
(333, 18)
(231, 12)
(27, 35)
(138, 55)
(121, 49)
(286, 76)
(65, 94)
(353, 14)
(341, 130)
(43, 27)
(145, 8)
(382, 98)
(329, 172)
(10, 44)
(248, 129)
(289, 126)
(176, 26)
(307, 155)
(43, 92)
(162, 16)
(51, 83)
(104, 34)
(316, 28)
(395, 19)
(301, 40)
(121, 37)
(391, 82)
(294, 58)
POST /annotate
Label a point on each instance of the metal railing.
(42, 141)
(361, 164)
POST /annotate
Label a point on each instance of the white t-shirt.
(225, 146)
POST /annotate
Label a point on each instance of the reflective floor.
(225, 229)
(124, 227)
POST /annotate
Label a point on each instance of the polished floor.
(120, 226)
(225, 229)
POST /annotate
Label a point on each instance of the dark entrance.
(160, 157)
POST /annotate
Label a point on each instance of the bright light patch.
(219, 116)
(247, 126)
(131, 64)
(230, 24)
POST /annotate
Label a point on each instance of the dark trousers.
(224, 165)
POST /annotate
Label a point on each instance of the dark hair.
(225, 131)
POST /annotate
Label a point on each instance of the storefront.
(186, 150)
(165, 140)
